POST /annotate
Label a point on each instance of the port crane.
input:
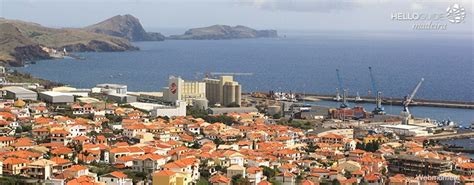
(406, 115)
(379, 109)
(344, 91)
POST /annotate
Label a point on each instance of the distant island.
(220, 32)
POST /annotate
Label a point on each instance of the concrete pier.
(398, 101)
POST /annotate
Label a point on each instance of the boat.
(357, 98)
(338, 96)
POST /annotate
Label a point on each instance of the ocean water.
(298, 62)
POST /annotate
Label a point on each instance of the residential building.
(115, 178)
(41, 169)
(412, 165)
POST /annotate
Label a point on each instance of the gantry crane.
(406, 115)
(379, 110)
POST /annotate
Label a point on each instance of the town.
(210, 132)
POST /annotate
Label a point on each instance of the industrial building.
(56, 97)
(112, 88)
(121, 98)
(72, 90)
(14, 92)
(227, 110)
(179, 89)
(179, 109)
(223, 91)
(413, 165)
(407, 130)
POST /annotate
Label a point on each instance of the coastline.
(21, 77)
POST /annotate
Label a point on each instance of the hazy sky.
(275, 14)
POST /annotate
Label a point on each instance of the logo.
(173, 88)
(455, 13)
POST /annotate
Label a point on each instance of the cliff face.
(218, 32)
(15, 48)
(28, 53)
(125, 26)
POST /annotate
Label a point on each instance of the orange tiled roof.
(307, 182)
(467, 165)
(76, 168)
(60, 161)
(118, 174)
(219, 179)
(6, 138)
(332, 136)
(62, 150)
(264, 182)
(13, 161)
(254, 170)
(164, 173)
(82, 180)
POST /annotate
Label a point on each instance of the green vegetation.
(136, 176)
(199, 113)
(18, 77)
(275, 182)
(370, 147)
(10, 180)
(276, 116)
(269, 172)
(240, 180)
(311, 148)
(305, 125)
(101, 168)
(202, 181)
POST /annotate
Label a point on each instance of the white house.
(115, 178)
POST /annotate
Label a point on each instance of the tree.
(240, 180)
(269, 172)
(202, 181)
(276, 116)
(311, 147)
(195, 145)
(218, 141)
(275, 182)
(92, 133)
(136, 176)
(18, 130)
(360, 146)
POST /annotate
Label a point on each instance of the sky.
(155, 15)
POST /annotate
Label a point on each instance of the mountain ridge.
(124, 26)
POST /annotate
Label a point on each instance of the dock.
(441, 137)
(398, 101)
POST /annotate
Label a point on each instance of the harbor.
(392, 101)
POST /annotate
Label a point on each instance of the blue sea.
(298, 62)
